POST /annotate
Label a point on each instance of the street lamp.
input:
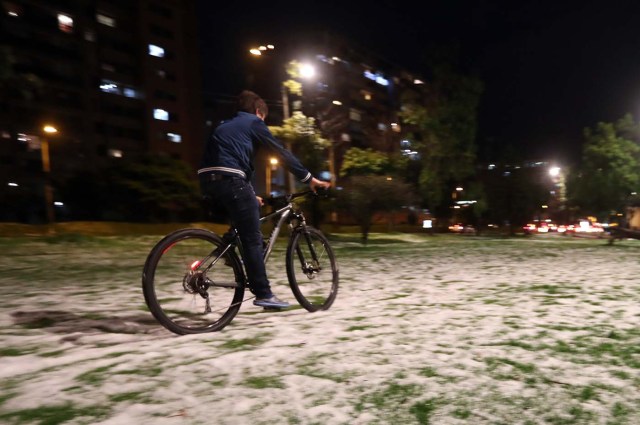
(46, 168)
(273, 163)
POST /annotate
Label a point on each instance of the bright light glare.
(12, 184)
(160, 114)
(307, 71)
(195, 264)
(156, 51)
(256, 52)
(554, 171)
(273, 161)
(58, 204)
(50, 129)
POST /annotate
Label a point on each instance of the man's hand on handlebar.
(316, 184)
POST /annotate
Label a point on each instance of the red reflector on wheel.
(195, 264)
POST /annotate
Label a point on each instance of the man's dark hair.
(250, 102)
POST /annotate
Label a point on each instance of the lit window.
(105, 20)
(366, 95)
(109, 86)
(354, 115)
(12, 9)
(395, 127)
(115, 153)
(174, 137)
(129, 92)
(377, 77)
(382, 126)
(156, 51)
(65, 23)
(160, 114)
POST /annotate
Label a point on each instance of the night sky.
(550, 68)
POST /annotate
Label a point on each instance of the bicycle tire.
(315, 286)
(178, 273)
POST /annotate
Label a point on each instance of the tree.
(610, 168)
(302, 135)
(442, 116)
(147, 188)
(363, 196)
(358, 162)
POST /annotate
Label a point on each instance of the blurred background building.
(115, 78)
(121, 78)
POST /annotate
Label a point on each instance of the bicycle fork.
(313, 267)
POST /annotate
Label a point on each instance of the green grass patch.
(242, 343)
(429, 372)
(94, 376)
(260, 382)
(15, 351)
(132, 396)
(51, 415)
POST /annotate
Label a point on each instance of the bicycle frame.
(284, 214)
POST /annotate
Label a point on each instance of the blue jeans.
(239, 201)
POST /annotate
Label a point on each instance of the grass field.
(425, 330)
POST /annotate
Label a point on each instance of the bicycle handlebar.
(288, 197)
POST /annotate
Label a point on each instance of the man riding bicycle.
(225, 175)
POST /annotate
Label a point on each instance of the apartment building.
(116, 78)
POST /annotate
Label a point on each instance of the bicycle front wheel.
(312, 269)
(188, 287)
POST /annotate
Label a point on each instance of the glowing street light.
(46, 168)
(307, 71)
(273, 163)
(554, 171)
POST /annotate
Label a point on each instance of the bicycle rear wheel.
(312, 269)
(188, 287)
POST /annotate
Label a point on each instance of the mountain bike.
(194, 280)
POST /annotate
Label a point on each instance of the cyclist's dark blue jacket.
(231, 148)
